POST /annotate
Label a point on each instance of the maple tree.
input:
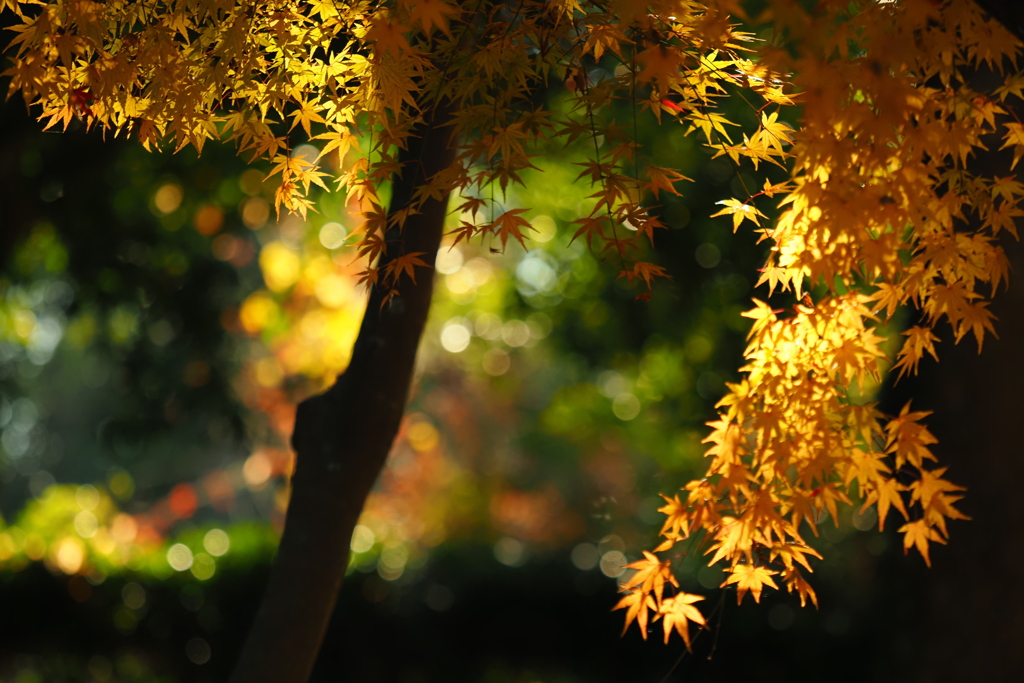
(426, 100)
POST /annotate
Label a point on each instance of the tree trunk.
(342, 439)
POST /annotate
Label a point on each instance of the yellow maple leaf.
(678, 521)
(749, 578)
(739, 211)
(794, 551)
(775, 133)
(306, 113)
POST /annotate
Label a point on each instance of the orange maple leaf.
(510, 224)
(917, 534)
(652, 574)
(433, 14)
(678, 611)
(637, 603)
(886, 493)
(645, 272)
(405, 264)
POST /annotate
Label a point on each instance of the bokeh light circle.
(179, 557)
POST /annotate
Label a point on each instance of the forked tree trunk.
(342, 439)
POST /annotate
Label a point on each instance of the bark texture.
(342, 439)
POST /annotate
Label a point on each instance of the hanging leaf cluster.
(885, 207)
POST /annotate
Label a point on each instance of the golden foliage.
(884, 209)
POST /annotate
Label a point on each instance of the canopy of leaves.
(881, 205)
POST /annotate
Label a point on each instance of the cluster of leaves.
(882, 207)
(885, 208)
(188, 72)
